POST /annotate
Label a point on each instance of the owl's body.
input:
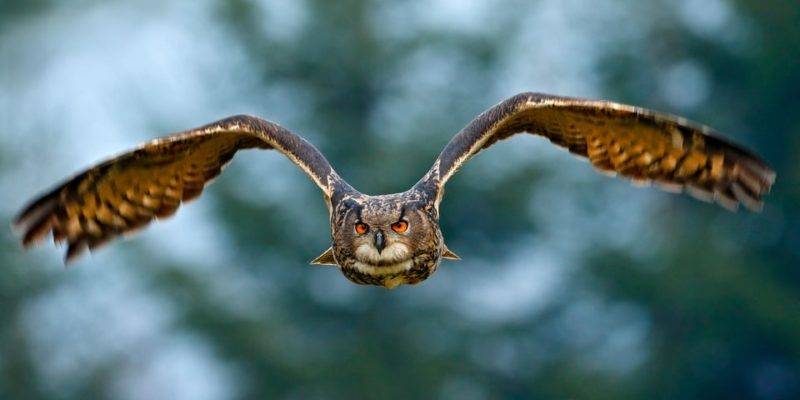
(394, 239)
(402, 257)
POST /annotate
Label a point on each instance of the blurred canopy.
(572, 285)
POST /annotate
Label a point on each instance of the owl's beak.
(380, 241)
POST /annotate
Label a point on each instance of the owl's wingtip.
(326, 258)
(449, 255)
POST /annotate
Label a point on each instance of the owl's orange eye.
(400, 226)
(361, 228)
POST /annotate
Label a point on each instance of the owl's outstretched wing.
(636, 143)
(122, 194)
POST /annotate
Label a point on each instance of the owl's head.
(386, 240)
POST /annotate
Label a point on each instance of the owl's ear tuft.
(449, 255)
(325, 258)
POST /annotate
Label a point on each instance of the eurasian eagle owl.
(394, 239)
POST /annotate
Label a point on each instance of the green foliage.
(572, 285)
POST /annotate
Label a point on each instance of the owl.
(393, 239)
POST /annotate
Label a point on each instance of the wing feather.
(123, 194)
(618, 139)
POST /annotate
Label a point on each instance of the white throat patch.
(391, 254)
(394, 259)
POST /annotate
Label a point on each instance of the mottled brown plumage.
(636, 143)
(125, 193)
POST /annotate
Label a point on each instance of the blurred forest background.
(573, 285)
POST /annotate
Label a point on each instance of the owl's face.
(386, 241)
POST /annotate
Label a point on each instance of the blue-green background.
(573, 285)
